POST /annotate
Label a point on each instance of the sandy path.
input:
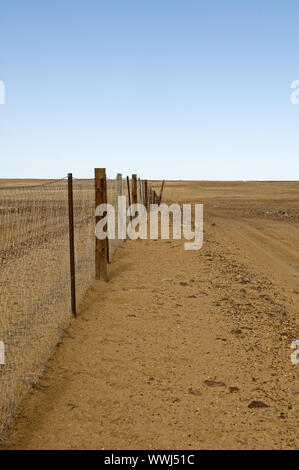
(273, 246)
(174, 352)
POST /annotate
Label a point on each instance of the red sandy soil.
(183, 349)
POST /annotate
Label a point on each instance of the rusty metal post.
(161, 192)
(72, 243)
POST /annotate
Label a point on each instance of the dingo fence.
(35, 274)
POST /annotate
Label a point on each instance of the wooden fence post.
(101, 250)
(72, 243)
(129, 197)
(134, 189)
(119, 191)
(119, 184)
(145, 194)
(140, 190)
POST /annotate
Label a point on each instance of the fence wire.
(35, 275)
(115, 188)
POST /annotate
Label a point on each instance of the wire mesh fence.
(34, 284)
(35, 274)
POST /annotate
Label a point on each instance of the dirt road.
(183, 350)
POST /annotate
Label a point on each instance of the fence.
(35, 271)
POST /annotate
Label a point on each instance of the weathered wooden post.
(129, 197)
(145, 194)
(119, 191)
(140, 190)
(119, 184)
(150, 197)
(134, 189)
(101, 250)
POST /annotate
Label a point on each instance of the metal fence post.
(72, 243)
(161, 192)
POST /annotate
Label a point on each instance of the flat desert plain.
(183, 349)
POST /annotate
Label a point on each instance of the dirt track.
(184, 349)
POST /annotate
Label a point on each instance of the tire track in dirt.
(268, 243)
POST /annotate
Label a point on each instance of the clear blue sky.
(183, 89)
